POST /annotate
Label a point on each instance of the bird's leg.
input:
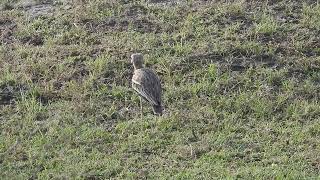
(141, 108)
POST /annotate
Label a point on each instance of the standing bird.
(147, 84)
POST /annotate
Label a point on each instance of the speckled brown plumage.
(146, 83)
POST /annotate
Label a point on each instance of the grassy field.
(241, 84)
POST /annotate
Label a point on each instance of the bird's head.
(137, 60)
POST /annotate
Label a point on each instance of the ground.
(241, 84)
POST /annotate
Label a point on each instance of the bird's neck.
(138, 66)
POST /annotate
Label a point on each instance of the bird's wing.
(147, 84)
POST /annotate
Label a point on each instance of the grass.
(241, 87)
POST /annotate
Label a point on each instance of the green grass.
(241, 87)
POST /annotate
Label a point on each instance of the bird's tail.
(157, 109)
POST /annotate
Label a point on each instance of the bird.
(147, 84)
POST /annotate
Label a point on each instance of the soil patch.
(239, 63)
(35, 40)
(142, 25)
(7, 28)
(10, 91)
(36, 8)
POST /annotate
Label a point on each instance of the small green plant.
(266, 25)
